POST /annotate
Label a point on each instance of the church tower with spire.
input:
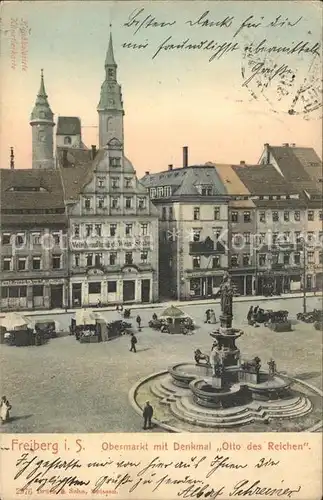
(42, 123)
(110, 107)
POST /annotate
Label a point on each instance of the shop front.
(33, 294)
(201, 286)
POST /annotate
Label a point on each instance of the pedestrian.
(154, 317)
(133, 341)
(138, 319)
(5, 407)
(147, 414)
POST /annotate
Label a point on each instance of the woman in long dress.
(5, 407)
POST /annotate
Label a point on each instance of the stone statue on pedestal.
(272, 368)
(226, 293)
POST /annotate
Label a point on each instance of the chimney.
(12, 159)
(147, 172)
(293, 145)
(185, 156)
(65, 160)
(267, 151)
(286, 145)
(170, 167)
(93, 152)
(242, 162)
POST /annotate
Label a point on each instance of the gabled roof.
(231, 180)
(264, 180)
(68, 125)
(300, 166)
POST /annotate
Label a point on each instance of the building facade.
(193, 230)
(34, 264)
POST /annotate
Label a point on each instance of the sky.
(177, 98)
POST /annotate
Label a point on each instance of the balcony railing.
(206, 247)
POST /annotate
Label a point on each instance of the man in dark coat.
(147, 414)
(138, 319)
(133, 341)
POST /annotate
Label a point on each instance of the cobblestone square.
(67, 387)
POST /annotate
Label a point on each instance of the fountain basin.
(184, 373)
(205, 394)
(269, 389)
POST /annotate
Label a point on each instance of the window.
(286, 259)
(56, 261)
(76, 260)
(6, 266)
(297, 215)
(196, 262)
(112, 287)
(144, 229)
(114, 182)
(310, 215)
(286, 216)
(141, 203)
(22, 264)
(6, 238)
(246, 216)
(275, 238)
(206, 191)
(215, 262)
(113, 229)
(144, 257)
(321, 214)
(101, 202)
(38, 290)
(234, 261)
(128, 258)
(310, 257)
(35, 238)
(297, 258)
(88, 230)
(170, 213)
(310, 236)
(127, 183)
(216, 213)
(262, 216)
(287, 237)
(20, 239)
(247, 238)
(98, 259)
(114, 202)
(17, 291)
(196, 234)
(95, 287)
(89, 259)
(163, 213)
(234, 216)
(76, 230)
(128, 202)
(57, 238)
(298, 238)
(275, 217)
(87, 203)
(246, 259)
(262, 259)
(67, 140)
(36, 263)
(112, 258)
(274, 258)
(115, 162)
(217, 232)
(98, 229)
(128, 230)
(101, 182)
(196, 213)
(321, 257)
(321, 236)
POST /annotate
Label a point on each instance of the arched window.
(110, 73)
(67, 140)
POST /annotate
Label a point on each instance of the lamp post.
(304, 273)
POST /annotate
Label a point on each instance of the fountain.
(220, 390)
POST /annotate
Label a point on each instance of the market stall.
(18, 330)
(177, 321)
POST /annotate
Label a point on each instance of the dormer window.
(206, 190)
(115, 162)
(87, 203)
(67, 140)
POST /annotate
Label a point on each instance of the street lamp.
(303, 242)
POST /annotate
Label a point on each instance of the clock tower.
(42, 123)
(110, 107)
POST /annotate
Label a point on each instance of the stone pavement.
(65, 386)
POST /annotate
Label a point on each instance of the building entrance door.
(145, 290)
(56, 296)
(76, 294)
(128, 290)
